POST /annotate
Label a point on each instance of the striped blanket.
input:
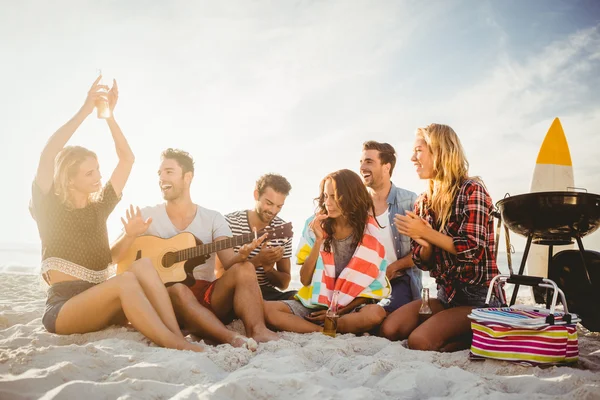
(523, 336)
(364, 276)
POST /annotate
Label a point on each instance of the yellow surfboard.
(553, 172)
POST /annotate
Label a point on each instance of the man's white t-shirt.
(387, 236)
(206, 226)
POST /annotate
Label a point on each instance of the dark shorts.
(58, 295)
(469, 295)
(269, 293)
(401, 293)
(203, 291)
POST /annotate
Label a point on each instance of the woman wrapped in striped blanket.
(340, 250)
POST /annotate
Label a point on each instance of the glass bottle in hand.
(102, 108)
(331, 316)
(425, 311)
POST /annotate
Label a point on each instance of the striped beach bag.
(525, 334)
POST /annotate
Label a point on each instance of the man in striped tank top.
(272, 260)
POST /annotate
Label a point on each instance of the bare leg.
(364, 320)
(199, 320)
(400, 323)
(459, 343)
(238, 290)
(279, 316)
(95, 308)
(447, 330)
(156, 292)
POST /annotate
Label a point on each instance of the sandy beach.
(120, 363)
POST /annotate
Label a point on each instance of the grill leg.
(582, 253)
(521, 269)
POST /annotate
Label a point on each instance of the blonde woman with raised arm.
(71, 207)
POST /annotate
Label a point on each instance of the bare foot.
(243, 341)
(264, 335)
(251, 345)
(193, 347)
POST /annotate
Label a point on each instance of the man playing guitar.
(209, 303)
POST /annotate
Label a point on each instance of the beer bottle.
(331, 316)
(102, 108)
(425, 311)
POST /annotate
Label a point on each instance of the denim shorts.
(468, 295)
(58, 295)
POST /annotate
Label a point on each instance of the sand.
(120, 363)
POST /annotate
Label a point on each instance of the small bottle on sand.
(331, 316)
(425, 311)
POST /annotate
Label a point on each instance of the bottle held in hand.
(102, 108)
(425, 311)
(331, 316)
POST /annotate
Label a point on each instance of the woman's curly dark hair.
(354, 201)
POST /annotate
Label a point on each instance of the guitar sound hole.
(168, 260)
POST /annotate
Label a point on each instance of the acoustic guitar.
(175, 258)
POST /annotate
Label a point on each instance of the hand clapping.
(412, 226)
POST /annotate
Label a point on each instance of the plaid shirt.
(471, 227)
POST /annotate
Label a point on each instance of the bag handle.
(531, 281)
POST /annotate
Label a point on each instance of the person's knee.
(421, 342)
(128, 282)
(243, 271)
(374, 315)
(142, 266)
(179, 293)
(379, 315)
(388, 331)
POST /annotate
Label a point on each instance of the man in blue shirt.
(376, 167)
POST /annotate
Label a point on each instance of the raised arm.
(308, 267)
(45, 171)
(126, 158)
(133, 226)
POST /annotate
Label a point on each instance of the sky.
(295, 88)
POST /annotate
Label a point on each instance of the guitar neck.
(209, 248)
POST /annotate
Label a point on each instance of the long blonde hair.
(66, 166)
(450, 169)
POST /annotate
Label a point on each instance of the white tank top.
(387, 237)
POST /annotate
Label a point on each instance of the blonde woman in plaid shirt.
(452, 237)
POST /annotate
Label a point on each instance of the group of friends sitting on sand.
(368, 239)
